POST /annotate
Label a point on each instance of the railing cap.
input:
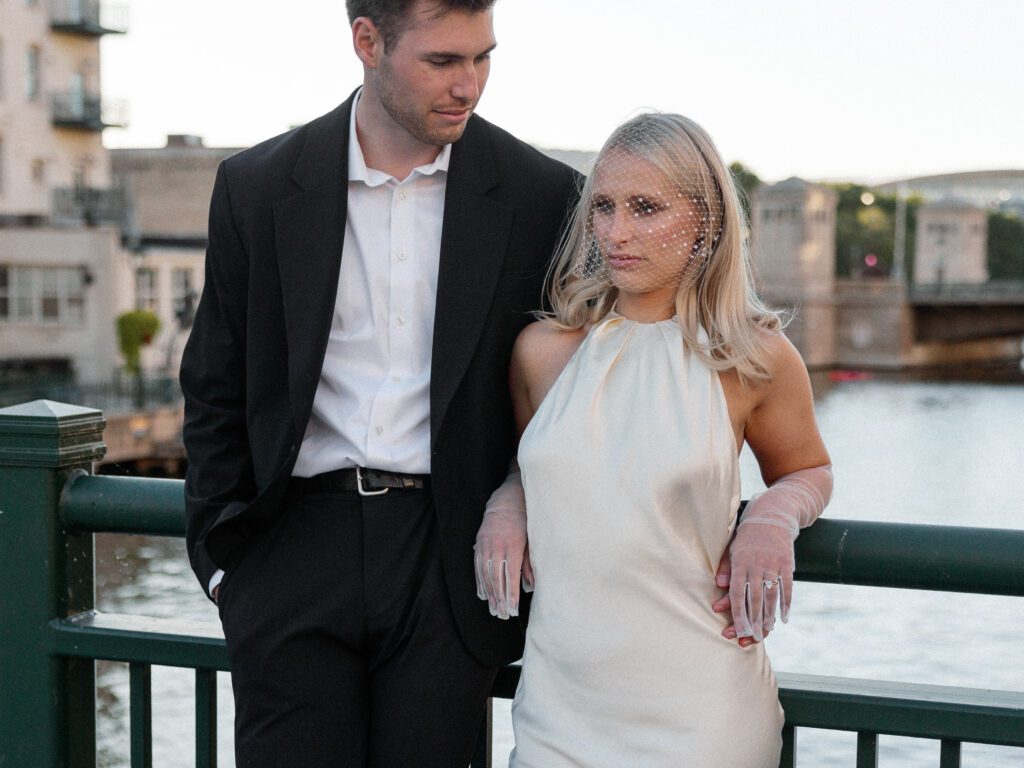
(44, 433)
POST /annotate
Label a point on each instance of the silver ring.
(768, 584)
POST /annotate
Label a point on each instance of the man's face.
(432, 78)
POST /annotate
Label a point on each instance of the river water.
(905, 450)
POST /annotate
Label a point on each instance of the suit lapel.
(309, 231)
(474, 238)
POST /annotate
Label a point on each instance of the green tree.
(864, 228)
(746, 182)
(1005, 247)
(134, 331)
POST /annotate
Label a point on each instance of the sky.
(871, 90)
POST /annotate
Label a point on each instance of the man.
(347, 413)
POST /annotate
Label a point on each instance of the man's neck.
(386, 146)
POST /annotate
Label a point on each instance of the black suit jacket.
(253, 360)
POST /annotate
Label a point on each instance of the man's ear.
(367, 41)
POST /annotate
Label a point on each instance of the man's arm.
(213, 380)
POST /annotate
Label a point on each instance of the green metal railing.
(50, 507)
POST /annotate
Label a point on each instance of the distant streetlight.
(899, 251)
(867, 198)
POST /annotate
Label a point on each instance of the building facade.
(60, 243)
(952, 244)
(167, 191)
(793, 242)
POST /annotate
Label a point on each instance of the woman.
(633, 400)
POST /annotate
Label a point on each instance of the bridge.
(881, 323)
(51, 506)
(954, 313)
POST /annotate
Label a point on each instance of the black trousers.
(343, 648)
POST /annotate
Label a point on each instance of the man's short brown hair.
(392, 16)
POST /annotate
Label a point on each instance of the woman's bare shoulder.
(782, 363)
(543, 348)
(544, 336)
(782, 358)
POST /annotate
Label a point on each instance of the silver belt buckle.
(363, 491)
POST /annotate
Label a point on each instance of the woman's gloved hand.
(501, 556)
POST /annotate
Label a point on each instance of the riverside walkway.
(50, 634)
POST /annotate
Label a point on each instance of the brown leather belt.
(368, 482)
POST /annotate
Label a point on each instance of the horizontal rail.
(937, 557)
(137, 505)
(945, 558)
(903, 709)
(836, 703)
(139, 639)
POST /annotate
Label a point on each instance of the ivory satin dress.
(632, 485)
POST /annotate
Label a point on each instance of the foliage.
(135, 330)
(746, 182)
(1005, 247)
(863, 229)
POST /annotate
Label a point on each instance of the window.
(24, 293)
(73, 282)
(49, 296)
(5, 293)
(77, 94)
(183, 297)
(42, 294)
(181, 284)
(145, 289)
(32, 74)
(39, 171)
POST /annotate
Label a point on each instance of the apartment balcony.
(88, 205)
(88, 112)
(88, 18)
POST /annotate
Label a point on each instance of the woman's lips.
(622, 260)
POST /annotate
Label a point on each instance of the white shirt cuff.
(214, 581)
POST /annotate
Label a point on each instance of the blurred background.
(879, 148)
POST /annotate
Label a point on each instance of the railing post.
(47, 703)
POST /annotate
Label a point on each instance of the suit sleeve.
(213, 381)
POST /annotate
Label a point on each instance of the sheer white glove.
(762, 550)
(501, 554)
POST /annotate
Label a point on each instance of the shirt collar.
(359, 171)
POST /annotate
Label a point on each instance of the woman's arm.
(783, 434)
(501, 557)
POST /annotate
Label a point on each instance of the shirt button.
(396, 379)
(401, 195)
(400, 320)
(380, 430)
(402, 256)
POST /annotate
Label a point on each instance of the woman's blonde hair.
(716, 292)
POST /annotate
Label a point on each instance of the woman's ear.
(698, 244)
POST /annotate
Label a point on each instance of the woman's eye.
(603, 206)
(645, 207)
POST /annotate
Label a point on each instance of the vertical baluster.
(141, 707)
(950, 755)
(482, 753)
(867, 750)
(788, 759)
(206, 718)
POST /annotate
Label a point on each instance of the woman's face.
(644, 225)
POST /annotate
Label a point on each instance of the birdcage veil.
(659, 211)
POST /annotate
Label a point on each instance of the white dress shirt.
(372, 405)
